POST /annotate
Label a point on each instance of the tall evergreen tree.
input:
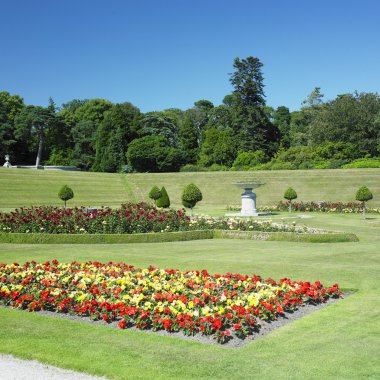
(255, 130)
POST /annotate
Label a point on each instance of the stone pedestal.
(248, 200)
(248, 203)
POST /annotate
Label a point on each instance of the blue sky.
(169, 53)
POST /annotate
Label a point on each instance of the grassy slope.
(341, 341)
(22, 187)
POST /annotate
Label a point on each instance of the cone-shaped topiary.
(66, 193)
(290, 194)
(363, 195)
(190, 196)
(164, 200)
(154, 194)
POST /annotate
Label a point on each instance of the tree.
(32, 123)
(157, 125)
(363, 195)
(290, 194)
(113, 135)
(190, 196)
(256, 132)
(164, 200)
(218, 148)
(204, 105)
(83, 134)
(350, 118)
(66, 193)
(10, 106)
(155, 193)
(153, 154)
(281, 119)
(188, 138)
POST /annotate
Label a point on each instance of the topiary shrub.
(155, 193)
(66, 193)
(290, 194)
(190, 196)
(164, 200)
(363, 195)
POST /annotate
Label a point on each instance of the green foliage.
(363, 194)
(204, 105)
(246, 160)
(281, 119)
(113, 135)
(329, 156)
(191, 196)
(363, 163)
(290, 194)
(32, 124)
(350, 118)
(22, 238)
(155, 193)
(159, 124)
(65, 193)
(10, 107)
(164, 200)
(152, 154)
(219, 148)
(189, 138)
(254, 130)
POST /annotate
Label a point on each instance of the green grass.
(23, 187)
(337, 342)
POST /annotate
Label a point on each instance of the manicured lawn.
(25, 187)
(340, 341)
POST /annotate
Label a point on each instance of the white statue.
(7, 163)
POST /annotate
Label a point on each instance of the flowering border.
(192, 302)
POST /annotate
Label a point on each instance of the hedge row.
(22, 238)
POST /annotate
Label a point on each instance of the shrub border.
(23, 238)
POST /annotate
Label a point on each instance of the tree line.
(242, 133)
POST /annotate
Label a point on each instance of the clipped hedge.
(21, 238)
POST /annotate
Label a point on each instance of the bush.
(363, 195)
(246, 160)
(155, 193)
(164, 200)
(66, 193)
(362, 163)
(290, 194)
(190, 196)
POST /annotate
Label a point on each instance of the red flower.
(167, 324)
(122, 324)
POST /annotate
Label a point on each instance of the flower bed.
(129, 218)
(342, 207)
(193, 302)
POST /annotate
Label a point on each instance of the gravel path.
(17, 369)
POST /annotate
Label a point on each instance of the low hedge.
(331, 237)
(20, 238)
